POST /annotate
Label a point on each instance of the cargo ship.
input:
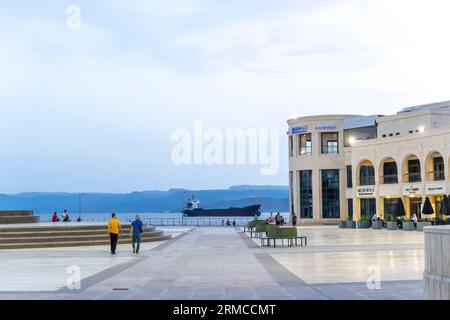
(192, 209)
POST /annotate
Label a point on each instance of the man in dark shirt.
(136, 234)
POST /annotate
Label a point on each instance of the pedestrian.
(136, 234)
(228, 223)
(223, 222)
(234, 223)
(278, 219)
(294, 219)
(113, 231)
(55, 217)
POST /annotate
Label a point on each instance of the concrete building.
(344, 166)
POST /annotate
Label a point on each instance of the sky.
(95, 108)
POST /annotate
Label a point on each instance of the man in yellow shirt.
(113, 231)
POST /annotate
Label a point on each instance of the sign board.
(412, 190)
(326, 127)
(435, 188)
(299, 130)
(365, 192)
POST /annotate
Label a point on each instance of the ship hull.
(249, 211)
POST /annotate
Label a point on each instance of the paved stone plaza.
(224, 263)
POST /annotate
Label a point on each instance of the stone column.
(437, 263)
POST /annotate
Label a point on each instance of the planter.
(342, 224)
(391, 225)
(377, 225)
(363, 224)
(420, 225)
(350, 224)
(408, 226)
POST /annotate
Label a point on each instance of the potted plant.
(377, 224)
(408, 225)
(364, 223)
(391, 224)
(423, 223)
(350, 224)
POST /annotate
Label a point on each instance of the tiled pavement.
(223, 263)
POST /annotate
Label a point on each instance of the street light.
(79, 206)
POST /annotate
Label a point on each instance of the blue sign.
(297, 130)
(330, 127)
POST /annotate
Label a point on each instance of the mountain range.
(272, 198)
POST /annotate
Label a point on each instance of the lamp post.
(79, 206)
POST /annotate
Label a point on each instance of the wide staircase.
(70, 235)
(17, 216)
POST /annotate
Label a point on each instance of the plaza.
(225, 263)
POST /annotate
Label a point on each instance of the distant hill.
(272, 198)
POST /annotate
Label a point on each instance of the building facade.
(350, 166)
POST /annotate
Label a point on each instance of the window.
(305, 144)
(350, 208)
(306, 201)
(389, 206)
(349, 177)
(438, 166)
(368, 207)
(384, 136)
(330, 143)
(330, 194)
(410, 131)
(363, 133)
(438, 203)
(367, 176)
(390, 175)
(391, 134)
(397, 133)
(291, 146)
(414, 170)
(291, 189)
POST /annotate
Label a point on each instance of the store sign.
(363, 192)
(436, 188)
(299, 130)
(327, 127)
(412, 190)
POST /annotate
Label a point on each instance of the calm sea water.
(147, 215)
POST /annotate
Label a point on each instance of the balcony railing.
(367, 181)
(412, 177)
(435, 176)
(389, 179)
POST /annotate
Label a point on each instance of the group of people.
(136, 230)
(64, 217)
(278, 219)
(228, 223)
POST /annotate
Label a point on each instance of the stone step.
(18, 219)
(25, 234)
(13, 213)
(59, 226)
(79, 238)
(105, 242)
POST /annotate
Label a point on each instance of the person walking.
(294, 219)
(114, 231)
(136, 234)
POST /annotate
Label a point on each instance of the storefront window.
(306, 202)
(415, 206)
(438, 204)
(291, 146)
(389, 206)
(330, 194)
(291, 189)
(350, 208)
(368, 207)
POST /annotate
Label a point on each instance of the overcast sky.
(93, 109)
